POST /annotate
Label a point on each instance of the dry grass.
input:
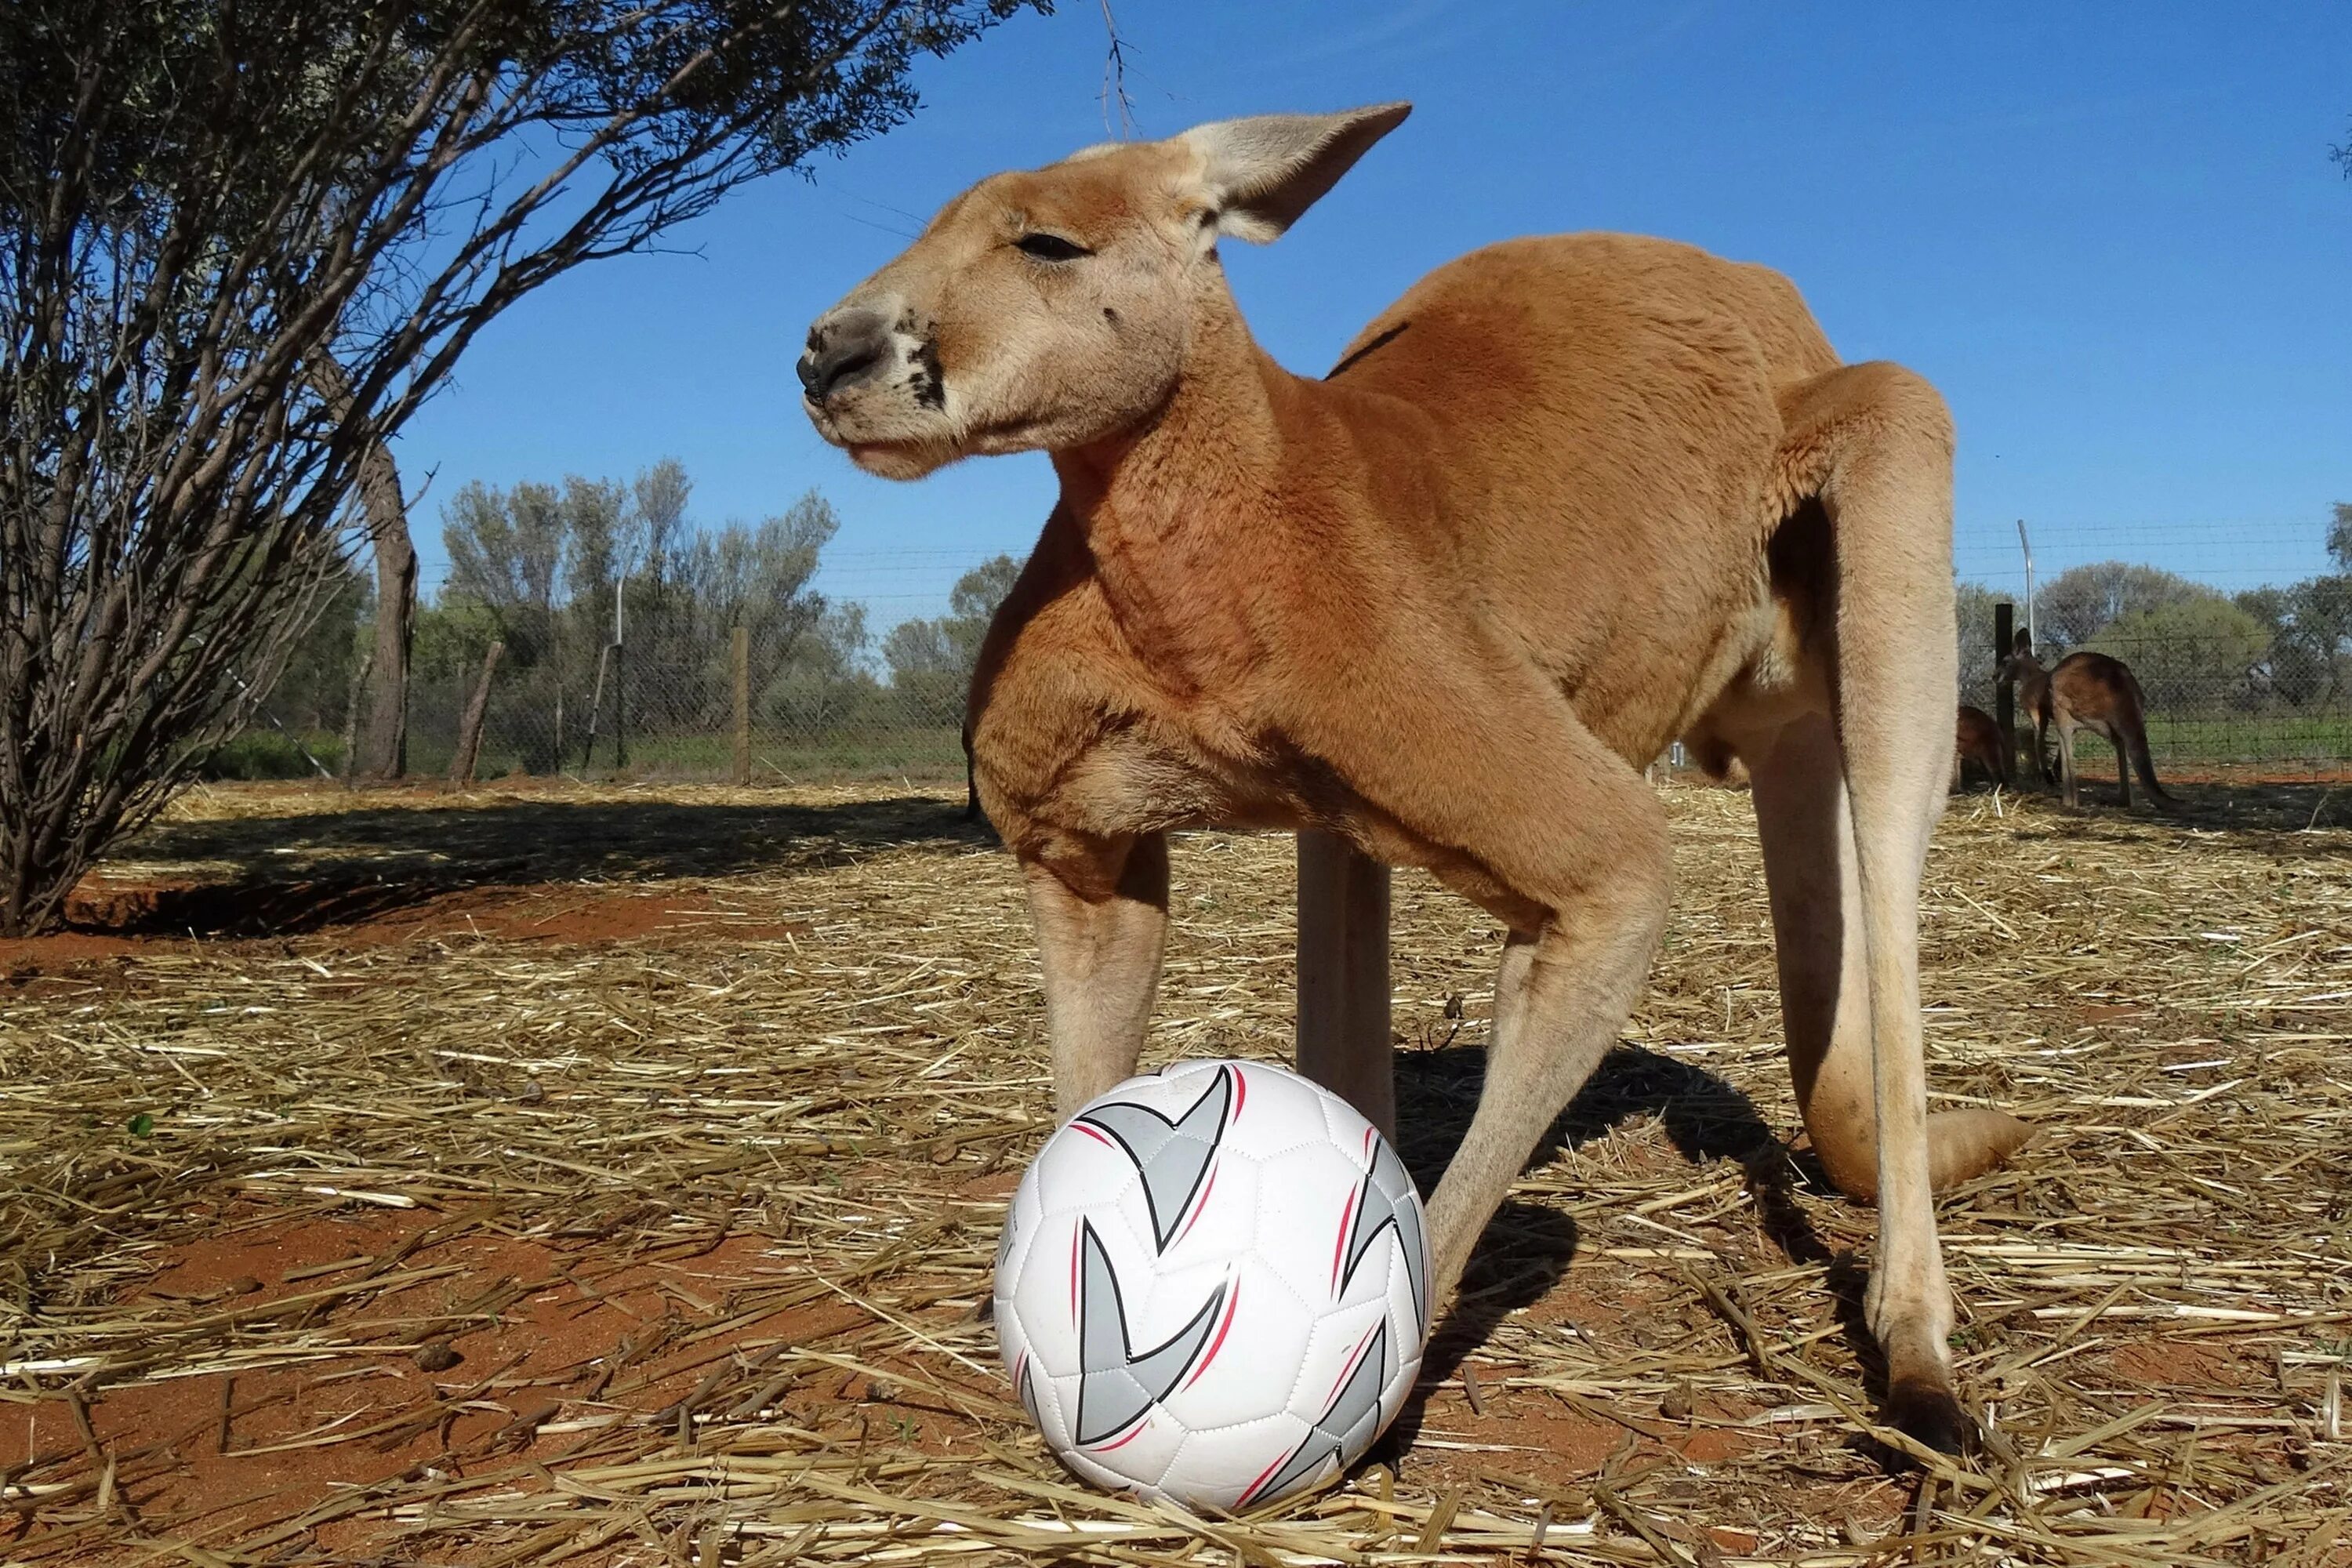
(686, 1118)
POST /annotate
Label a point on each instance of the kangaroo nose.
(844, 349)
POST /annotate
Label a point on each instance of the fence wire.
(663, 705)
(666, 708)
(2214, 705)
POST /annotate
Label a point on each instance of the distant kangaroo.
(1980, 739)
(2085, 691)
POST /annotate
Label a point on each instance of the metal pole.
(2032, 630)
(620, 682)
(2004, 691)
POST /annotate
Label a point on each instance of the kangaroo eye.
(1050, 248)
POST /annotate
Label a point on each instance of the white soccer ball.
(1213, 1286)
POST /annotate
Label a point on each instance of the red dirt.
(553, 1341)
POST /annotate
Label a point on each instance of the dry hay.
(761, 1146)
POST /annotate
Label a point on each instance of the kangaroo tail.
(2141, 760)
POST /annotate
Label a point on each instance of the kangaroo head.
(1049, 309)
(2020, 662)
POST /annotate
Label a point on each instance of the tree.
(1973, 603)
(536, 567)
(978, 594)
(383, 740)
(2189, 654)
(757, 577)
(930, 661)
(315, 684)
(201, 198)
(2080, 603)
(505, 550)
(2309, 624)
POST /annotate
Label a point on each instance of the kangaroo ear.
(2024, 642)
(1259, 174)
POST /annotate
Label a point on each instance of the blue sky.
(2111, 233)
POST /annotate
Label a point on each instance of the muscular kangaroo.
(1566, 500)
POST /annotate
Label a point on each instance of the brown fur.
(1979, 739)
(1568, 498)
(2090, 691)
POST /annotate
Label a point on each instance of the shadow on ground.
(2275, 818)
(284, 875)
(1526, 1249)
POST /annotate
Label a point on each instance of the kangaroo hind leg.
(1879, 442)
(1801, 816)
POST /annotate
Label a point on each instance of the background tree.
(930, 661)
(535, 567)
(2310, 626)
(2081, 602)
(201, 201)
(2190, 653)
(382, 739)
(1973, 603)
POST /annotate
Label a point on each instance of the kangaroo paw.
(1927, 1413)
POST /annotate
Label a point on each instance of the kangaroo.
(1979, 739)
(1568, 498)
(2084, 691)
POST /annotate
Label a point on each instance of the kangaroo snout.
(845, 347)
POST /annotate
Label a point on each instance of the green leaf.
(142, 1125)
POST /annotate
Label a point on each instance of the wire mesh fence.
(2215, 705)
(816, 703)
(670, 709)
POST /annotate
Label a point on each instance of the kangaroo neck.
(1184, 516)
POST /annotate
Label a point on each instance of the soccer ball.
(1213, 1286)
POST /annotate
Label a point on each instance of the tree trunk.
(469, 732)
(384, 742)
(351, 702)
(383, 749)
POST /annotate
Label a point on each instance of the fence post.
(469, 731)
(741, 651)
(1343, 976)
(2004, 691)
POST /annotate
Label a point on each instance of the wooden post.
(595, 706)
(1343, 976)
(743, 661)
(469, 732)
(2004, 690)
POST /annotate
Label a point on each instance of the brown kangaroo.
(1979, 739)
(1568, 498)
(2090, 691)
